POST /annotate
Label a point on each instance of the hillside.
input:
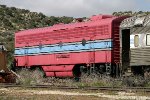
(129, 13)
(18, 19)
(13, 19)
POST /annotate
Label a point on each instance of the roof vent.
(139, 21)
(59, 24)
(99, 17)
(78, 20)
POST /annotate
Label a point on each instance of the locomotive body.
(63, 50)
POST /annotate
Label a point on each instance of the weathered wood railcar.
(6, 76)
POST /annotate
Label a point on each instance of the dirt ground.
(47, 94)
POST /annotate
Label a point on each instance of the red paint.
(58, 68)
(50, 74)
(64, 74)
(75, 58)
(59, 74)
(99, 28)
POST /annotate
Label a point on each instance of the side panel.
(140, 56)
(94, 51)
(62, 68)
(67, 35)
(67, 58)
(64, 74)
(140, 52)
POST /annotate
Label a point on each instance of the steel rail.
(135, 89)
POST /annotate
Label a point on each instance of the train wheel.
(77, 72)
(101, 69)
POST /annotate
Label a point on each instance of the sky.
(78, 8)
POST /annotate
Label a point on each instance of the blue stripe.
(67, 47)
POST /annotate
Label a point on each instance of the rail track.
(135, 89)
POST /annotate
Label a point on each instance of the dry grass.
(35, 77)
(28, 77)
(96, 80)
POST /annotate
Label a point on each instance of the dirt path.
(97, 95)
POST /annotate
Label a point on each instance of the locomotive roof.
(94, 21)
(141, 19)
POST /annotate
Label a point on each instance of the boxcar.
(65, 50)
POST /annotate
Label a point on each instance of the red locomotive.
(65, 50)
